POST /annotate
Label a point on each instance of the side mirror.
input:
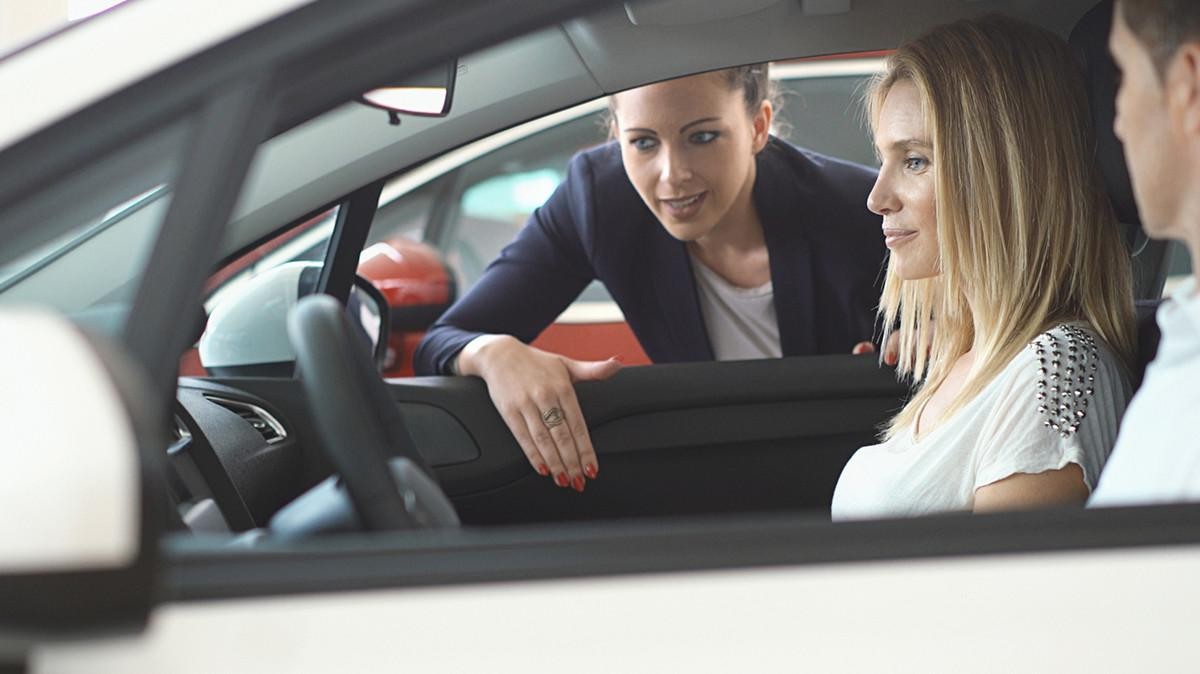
(246, 335)
(83, 509)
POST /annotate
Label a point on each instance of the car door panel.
(675, 439)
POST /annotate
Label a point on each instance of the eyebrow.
(906, 143)
(902, 144)
(685, 127)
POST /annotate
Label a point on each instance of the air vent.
(260, 419)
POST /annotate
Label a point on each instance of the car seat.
(1089, 37)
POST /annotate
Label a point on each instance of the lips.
(684, 207)
(894, 236)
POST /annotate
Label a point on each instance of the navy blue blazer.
(825, 248)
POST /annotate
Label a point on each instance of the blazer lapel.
(671, 268)
(784, 214)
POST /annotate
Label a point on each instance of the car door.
(1055, 590)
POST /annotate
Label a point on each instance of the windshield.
(84, 255)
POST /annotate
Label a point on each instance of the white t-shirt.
(741, 322)
(1050, 406)
(1157, 458)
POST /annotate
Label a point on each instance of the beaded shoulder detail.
(1067, 358)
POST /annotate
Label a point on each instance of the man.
(1156, 45)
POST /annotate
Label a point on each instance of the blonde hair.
(1026, 236)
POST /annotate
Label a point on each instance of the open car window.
(466, 210)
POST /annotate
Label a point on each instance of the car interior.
(283, 449)
(253, 455)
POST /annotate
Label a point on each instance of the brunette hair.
(1162, 26)
(754, 81)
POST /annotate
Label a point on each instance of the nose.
(882, 200)
(675, 168)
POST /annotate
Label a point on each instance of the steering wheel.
(360, 425)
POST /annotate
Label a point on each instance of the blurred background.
(22, 21)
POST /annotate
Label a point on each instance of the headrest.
(1090, 40)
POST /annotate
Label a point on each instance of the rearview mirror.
(425, 95)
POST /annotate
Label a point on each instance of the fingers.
(579, 432)
(534, 393)
(548, 435)
(862, 348)
(592, 370)
(546, 424)
(891, 350)
(546, 463)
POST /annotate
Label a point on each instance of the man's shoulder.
(1157, 456)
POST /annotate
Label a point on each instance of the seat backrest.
(1090, 40)
(1148, 335)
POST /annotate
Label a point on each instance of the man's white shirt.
(1157, 457)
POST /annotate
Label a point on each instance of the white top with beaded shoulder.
(1059, 401)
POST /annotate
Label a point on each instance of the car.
(165, 523)
(487, 189)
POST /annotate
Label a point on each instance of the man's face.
(1154, 151)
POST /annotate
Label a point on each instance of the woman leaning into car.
(1000, 231)
(717, 241)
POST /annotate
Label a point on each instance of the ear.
(1182, 83)
(762, 125)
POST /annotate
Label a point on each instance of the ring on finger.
(553, 417)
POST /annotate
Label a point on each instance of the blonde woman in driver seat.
(999, 231)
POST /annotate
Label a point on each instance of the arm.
(533, 280)
(485, 334)
(1027, 460)
(1062, 487)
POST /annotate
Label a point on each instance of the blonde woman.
(1000, 236)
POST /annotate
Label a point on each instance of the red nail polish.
(590, 471)
(577, 483)
(561, 480)
(543, 470)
